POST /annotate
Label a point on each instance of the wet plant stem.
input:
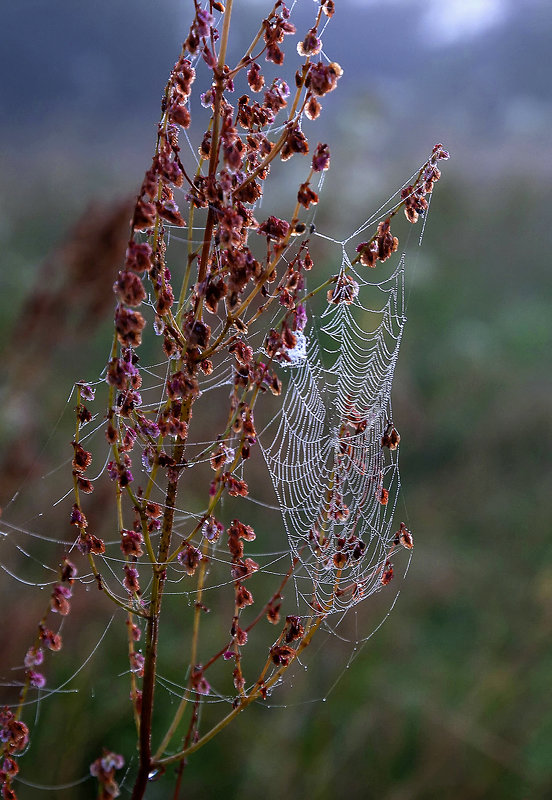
(152, 636)
(244, 702)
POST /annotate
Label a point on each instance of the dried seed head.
(311, 44)
(169, 211)
(274, 228)
(212, 529)
(313, 108)
(131, 582)
(85, 485)
(282, 654)
(179, 114)
(138, 257)
(82, 458)
(103, 769)
(129, 326)
(322, 78)
(391, 437)
(59, 599)
(129, 288)
(131, 543)
(273, 612)
(387, 573)
(14, 735)
(321, 158)
(51, 640)
(344, 291)
(144, 216)
(190, 557)
(243, 596)
(198, 680)
(382, 495)
(387, 243)
(306, 196)
(404, 537)
(368, 253)
(294, 629)
(254, 78)
(153, 510)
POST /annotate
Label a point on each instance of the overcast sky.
(450, 20)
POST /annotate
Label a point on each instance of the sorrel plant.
(232, 312)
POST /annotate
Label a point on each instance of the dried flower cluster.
(383, 244)
(202, 311)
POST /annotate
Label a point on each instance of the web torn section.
(337, 485)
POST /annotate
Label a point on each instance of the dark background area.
(451, 697)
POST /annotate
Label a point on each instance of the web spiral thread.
(337, 486)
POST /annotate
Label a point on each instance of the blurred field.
(451, 697)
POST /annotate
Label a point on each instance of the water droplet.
(153, 774)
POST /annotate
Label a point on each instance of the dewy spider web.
(336, 485)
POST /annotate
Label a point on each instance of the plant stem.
(193, 658)
(213, 160)
(152, 635)
(245, 701)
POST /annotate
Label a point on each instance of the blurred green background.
(451, 697)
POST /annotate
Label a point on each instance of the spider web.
(336, 485)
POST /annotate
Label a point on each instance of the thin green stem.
(257, 692)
